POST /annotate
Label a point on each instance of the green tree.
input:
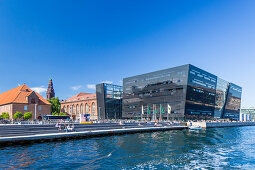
(62, 114)
(55, 105)
(17, 115)
(28, 115)
(59, 114)
(5, 115)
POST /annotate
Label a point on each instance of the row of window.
(158, 76)
(147, 93)
(202, 91)
(39, 108)
(79, 109)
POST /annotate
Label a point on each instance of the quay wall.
(220, 124)
(6, 141)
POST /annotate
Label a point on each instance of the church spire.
(50, 91)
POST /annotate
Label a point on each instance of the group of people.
(67, 128)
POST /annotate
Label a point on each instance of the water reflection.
(212, 148)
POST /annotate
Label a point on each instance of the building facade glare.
(188, 91)
(109, 101)
(248, 111)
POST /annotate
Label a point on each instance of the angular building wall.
(191, 92)
(159, 89)
(100, 93)
(233, 102)
(201, 93)
(109, 101)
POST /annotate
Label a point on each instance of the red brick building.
(82, 103)
(23, 99)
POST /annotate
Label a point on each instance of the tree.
(55, 105)
(17, 115)
(28, 115)
(62, 114)
(5, 115)
(59, 114)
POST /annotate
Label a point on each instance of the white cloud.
(107, 81)
(75, 88)
(39, 90)
(91, 86)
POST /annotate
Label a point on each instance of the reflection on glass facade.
(160, 88)
(109, 101)
(189, 91)
(233, 102)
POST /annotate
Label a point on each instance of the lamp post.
(35, 111)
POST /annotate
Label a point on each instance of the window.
(67, 109)
(86, 109)
(25, 107)
(73, 109)
(33, 101)
(81, 108)
(77, 109)
(40, 108)
(93, 108)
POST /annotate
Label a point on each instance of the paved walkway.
(24, 133)
(21, 130)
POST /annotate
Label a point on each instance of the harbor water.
(221, 148)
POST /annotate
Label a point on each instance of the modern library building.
(109, 101)
(184, 92)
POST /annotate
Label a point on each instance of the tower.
(50, 91)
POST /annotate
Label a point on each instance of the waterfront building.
(50, 91)
(184, 92)
(250, 111)
(82, 103)
(245, 117)
(23, 99)
(109, 101)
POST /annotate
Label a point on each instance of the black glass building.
(188, 91)
(109, 101)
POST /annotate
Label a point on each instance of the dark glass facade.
(109, 101)
(233, 102)
(160, 88)
(192, 93)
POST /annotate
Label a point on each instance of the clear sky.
(81, 43)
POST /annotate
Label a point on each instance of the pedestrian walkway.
(89, 132)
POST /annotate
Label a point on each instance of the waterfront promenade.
(22, 134)
(10, 134)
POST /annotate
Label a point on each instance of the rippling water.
(221, 148)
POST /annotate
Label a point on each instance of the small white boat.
(195, 128)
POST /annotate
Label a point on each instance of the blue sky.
(81, 43)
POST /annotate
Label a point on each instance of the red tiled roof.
(18, 95)
(81, 96)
